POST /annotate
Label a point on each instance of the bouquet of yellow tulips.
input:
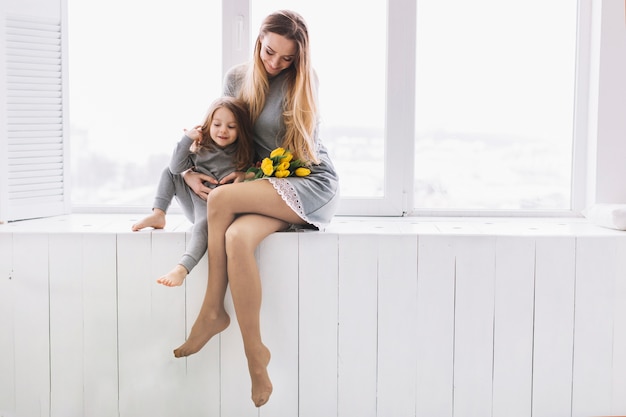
(279, 164)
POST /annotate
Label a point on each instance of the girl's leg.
(197, 245)
(169, 185)
(162, 200)
(156, 220)
(196, 248)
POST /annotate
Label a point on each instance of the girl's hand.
(233, 177)
(195, 147)
(194, 134)
(195, 181)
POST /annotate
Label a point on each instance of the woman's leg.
(266, 212)
(242, 237)
(212, 318)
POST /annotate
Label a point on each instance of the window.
(140, 72)
(494, 104)
(452, 106)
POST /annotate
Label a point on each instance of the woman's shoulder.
(233, 78)
(239, 69)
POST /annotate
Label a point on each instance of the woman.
(280, 88)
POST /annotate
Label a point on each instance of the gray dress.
(315, 197)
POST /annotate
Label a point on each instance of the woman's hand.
(233, 177)
(195, 181)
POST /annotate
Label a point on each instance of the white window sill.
(498, 226)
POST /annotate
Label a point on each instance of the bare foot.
(201, 332)
(175, 277)
(155, 220)
(261, 384)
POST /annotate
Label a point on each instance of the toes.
(262, 398)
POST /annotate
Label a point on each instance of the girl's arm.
(182, 159)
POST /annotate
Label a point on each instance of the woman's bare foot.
(201, 332)
(261, 384)
(155, 220)
(175, 277)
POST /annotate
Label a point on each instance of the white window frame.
(594, 164)
(599, 145)
(583, 167)
(605, 149)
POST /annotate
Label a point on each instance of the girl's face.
(223, 127)
(277, 53)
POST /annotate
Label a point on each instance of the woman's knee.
(217, 200)
(238, 241)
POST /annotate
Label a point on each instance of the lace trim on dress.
(290, 196)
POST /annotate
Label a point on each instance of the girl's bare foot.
(201, 332)
(175, 277)
(261, 384)
(155, 220)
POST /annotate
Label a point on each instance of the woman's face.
(277, 53)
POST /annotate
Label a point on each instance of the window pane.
(140, 72)
(348, 48)
(494, 104)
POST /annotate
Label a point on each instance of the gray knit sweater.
(217, 163)
(315, 197)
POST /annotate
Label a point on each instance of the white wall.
(412, 320)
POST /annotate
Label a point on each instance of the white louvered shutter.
(34, 142)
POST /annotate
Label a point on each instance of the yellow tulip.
(302, 172)
(283, 166)
(282, 173)
(287, 157)
(267, 167)
(277, 152)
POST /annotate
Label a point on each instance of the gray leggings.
(194, 209)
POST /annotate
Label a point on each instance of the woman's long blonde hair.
(300, 110)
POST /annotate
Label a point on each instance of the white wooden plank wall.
(368, 325)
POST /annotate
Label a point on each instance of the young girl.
(280, 89)
(218, 148)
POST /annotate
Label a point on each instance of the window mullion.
(235, 33)
(399, 120)
(400, 117)
(582, 169)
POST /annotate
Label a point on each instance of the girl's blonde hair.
(244, 153)
(300, 104)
